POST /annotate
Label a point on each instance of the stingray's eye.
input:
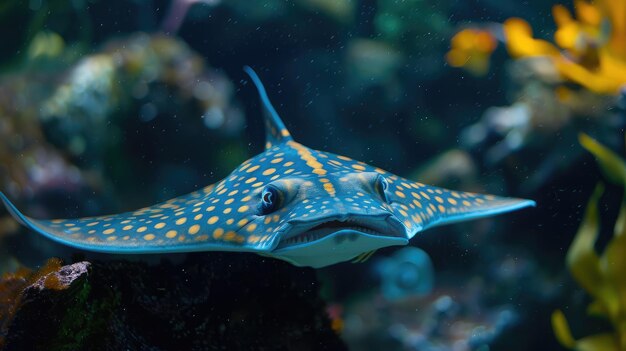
(270, 200)
(381, 187)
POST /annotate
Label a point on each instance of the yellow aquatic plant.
(590, 48)
(471, 49)
(603, 275)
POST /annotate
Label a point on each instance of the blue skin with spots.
(308, 207)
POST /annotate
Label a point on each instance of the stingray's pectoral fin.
(42, 227)
(155, 229)
(23, 220)
(428, 206)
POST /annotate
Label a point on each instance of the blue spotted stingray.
(308, 207)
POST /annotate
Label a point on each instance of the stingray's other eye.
(270, 200)
(381, 187)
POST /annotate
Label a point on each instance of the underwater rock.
(208, 302)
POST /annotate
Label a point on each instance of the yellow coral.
(471, 49)
(602, 276)
(591, 48)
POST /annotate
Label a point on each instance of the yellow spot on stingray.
(230, 236)
(194, 229)
(92, 224)
(344, 158)
(242, 222)
(111, 238)
(319, 171)
(126, 237)
(256, 185)
(141, 229)
(217, 233)
(149, 237)
(181, 220)
(171, 234)
(452, 201)
(269, 171)
(202, 238)
(329, 188)
(213, 220)
(400, 194)
(227, 210)
(284, 132)
(442, 209)
(221, 191)
(251, 227)
(230, 221)
(439, 199)
(247, 198)
(159, 225)
(253, 239)
(69, 224)
(198, 217)
(288, 164)
(250, 180)
(229, 201)
(276, 160)
(210, 208)
(480, 201)
(252, 169)
(243, 208)
(314, 164)
(466, 203)
(234, 192)
(126, 221)
(108, 231)
(267, 220)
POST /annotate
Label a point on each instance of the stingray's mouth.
(300, 233)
